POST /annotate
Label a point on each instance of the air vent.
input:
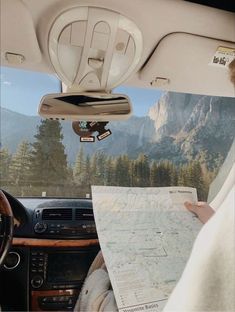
(84, 214)
(57, 214)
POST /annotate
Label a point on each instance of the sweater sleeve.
(208, 281)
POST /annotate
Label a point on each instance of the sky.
(21, 91)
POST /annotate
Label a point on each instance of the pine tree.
(98, 167)
(153, 174)
(191, 175)
(142, 171)
(132, 172)
(94, 170)
(48, 158)
(101, 161)
(110, 172)
(198, 181)
(79, 171)
(5, 160)
(126, 171)
(20, 165)
(122, 171)
(173, 174)
(182, 176)
(145, 170)
(88, 170)
(161, 175)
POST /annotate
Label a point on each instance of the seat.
(96, 294)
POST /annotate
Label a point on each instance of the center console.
(58, 269)
(56, 276)
(52, 250)
(56, 273)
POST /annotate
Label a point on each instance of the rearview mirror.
(92, 106)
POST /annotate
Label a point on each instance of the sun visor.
(191, 64)
(18, 37)
(93, 48)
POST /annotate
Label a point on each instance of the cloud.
(4, 80)
(7, 83)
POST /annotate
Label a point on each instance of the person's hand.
(202, 210)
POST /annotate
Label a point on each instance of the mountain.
(178, 127)
(171, 113)
(126, 136)
(16, 127)
(187, 125)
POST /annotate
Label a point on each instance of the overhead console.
(93, 48)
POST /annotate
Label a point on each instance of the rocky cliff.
(178, 127)
(187, 125)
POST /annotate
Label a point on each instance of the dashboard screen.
(68, 267)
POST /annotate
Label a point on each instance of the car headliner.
(25, 25)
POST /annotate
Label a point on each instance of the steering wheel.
(6, 227)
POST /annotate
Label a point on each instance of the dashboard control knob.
(12, 260)
(37, 281)
(40, 227)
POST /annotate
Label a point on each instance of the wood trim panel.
(47, 293)
(35, 242)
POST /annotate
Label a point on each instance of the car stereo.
(64, 221)
(60, 269)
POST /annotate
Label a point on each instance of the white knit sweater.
(208, 281)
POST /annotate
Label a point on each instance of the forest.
(42, 168)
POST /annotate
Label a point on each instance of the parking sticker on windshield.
(223, 57)
(85, 130)
(104, 135)
(87, 139)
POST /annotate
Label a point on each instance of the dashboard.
(54, 244)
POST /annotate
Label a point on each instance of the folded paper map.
(146, 236)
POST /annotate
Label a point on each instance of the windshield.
(171, 139)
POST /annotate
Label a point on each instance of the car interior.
(93, 48)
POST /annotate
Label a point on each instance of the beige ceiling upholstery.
(18, 32)
(185, 61)
(25, 27)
